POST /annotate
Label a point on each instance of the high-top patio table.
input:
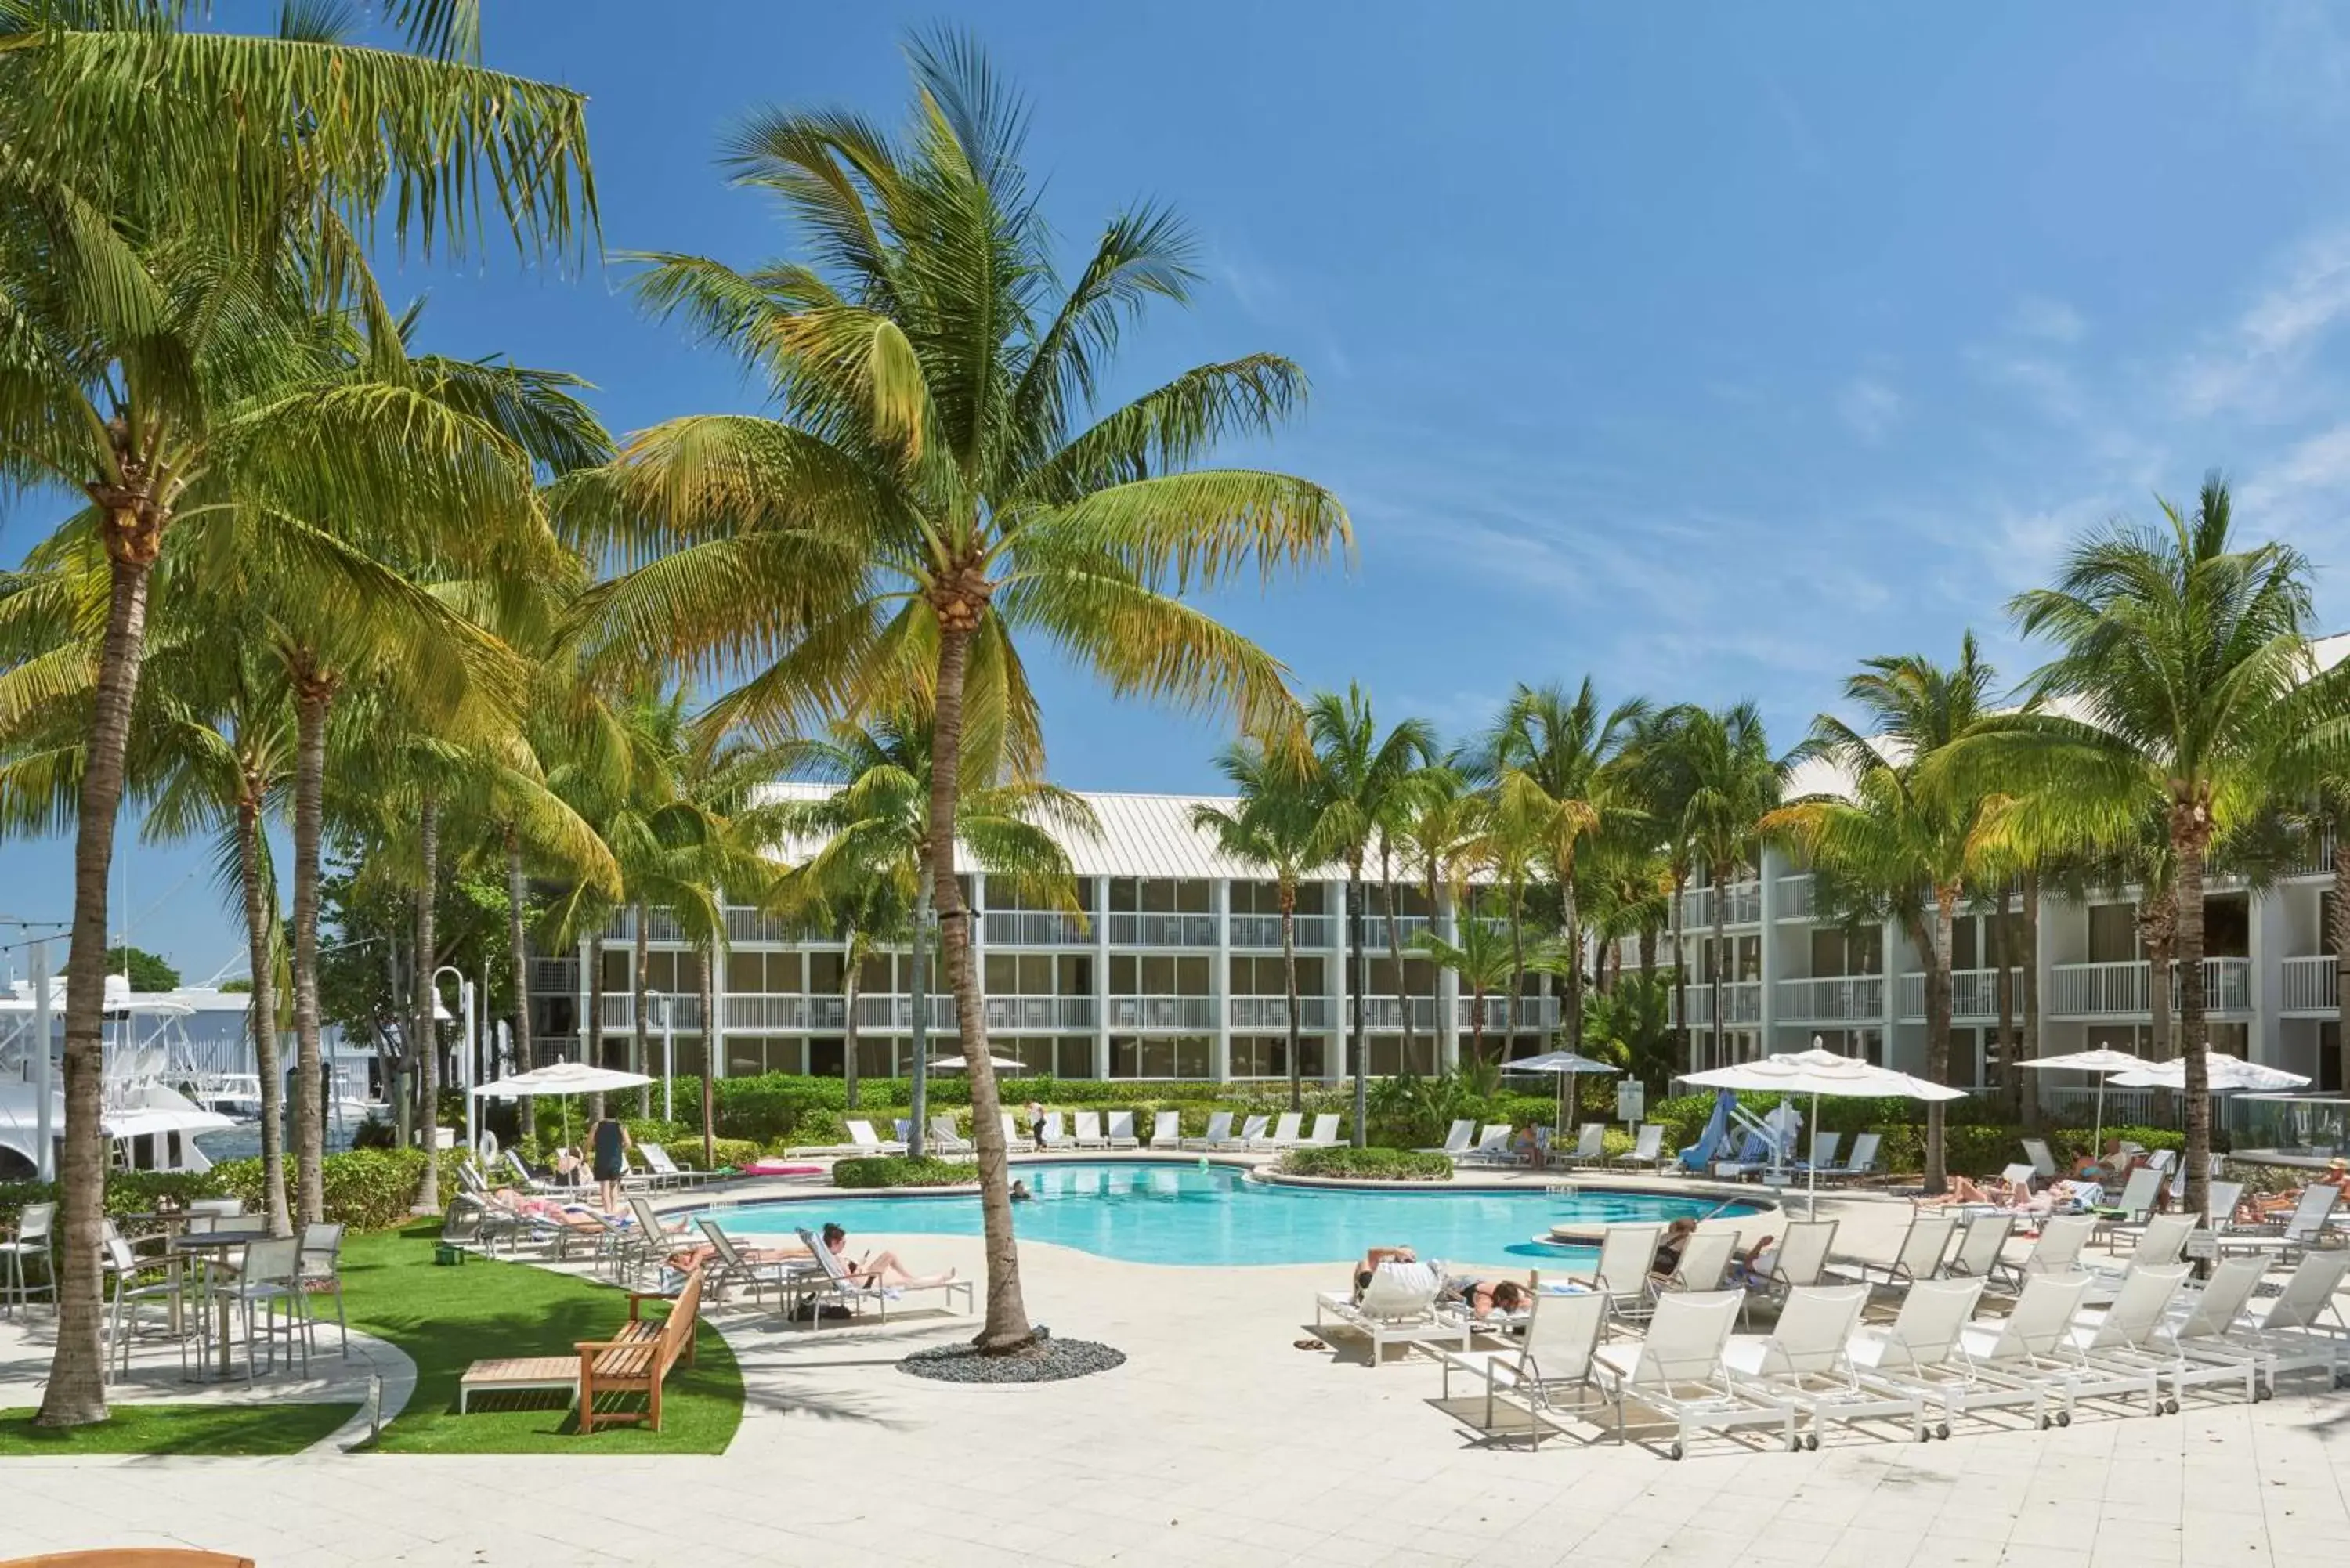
(207, 1250)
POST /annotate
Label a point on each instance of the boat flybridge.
(149, 1121)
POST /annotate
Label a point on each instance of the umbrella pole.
(1811, 1166)
(2098, 1139)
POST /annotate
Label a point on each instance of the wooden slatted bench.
(639, 1358)
(514, 1373)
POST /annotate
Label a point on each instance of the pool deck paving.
(1219, 1442)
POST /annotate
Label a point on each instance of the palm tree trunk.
(75, 1395)
(1289, 983)
(849, 983)
(1360, 981)
(709, 1064)
(1572, 924)
(518, 944)
(261, 953)
(918, 1036)
(641, 974)
(1647, 956)
(1721, 962)
(1937, 1034)
(428, 1038)
(2006, 1001)
(1007, 1329)
(2337, 936)
(1395, 951)
(1517, 955)
(595, 1024)
(313, 697)
(2190, 833)
(2160, 925)
(1477, 1024)
(1681, 975)
(2031, 1043)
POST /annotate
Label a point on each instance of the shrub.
(365, 1188)
(126, 1192)
(896, 1171)
(1368, 1164)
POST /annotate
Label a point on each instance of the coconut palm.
(1922, 851)
(1487, 961)
(1654, 770)
(1364, 786)
(146, 366)
(1271, 824)
(1728, 780)
(2182, 687)
(939, 486)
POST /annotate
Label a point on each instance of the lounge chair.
(2113, 1354)
(1010, 1124)
(1492, 1146)
(1252, 1133)
(1981, 1245)
(1823, 1152)
(1917, 1355)
(1325, 1134)
(1120, 1133)
(2057, 1251)
(1055, 1136)
(1861, 1163)
(2135, 1206)
(2028, 1357)
(2221, 1203)
(1458, 1141)
(1802, 1362)
(2301, 1228)
(1554, 1352)
(2302, 1330)
(1621, 1271)
(1284, 1134)
(2161, 1240)
(2195, 1350)
(1919, 1257)
(2043, 1164)
(1167, 1130)
(1704, 1262)
(835, 1285)
(1218, 1133)
(946, 1137)
(1590, 1145)
(862, 1137)
(1397, 1307)
(1799, 1258)
(1647, 1148)
(664, 1169)
(734, 1266)
(1678, 1372)
(1089, 1134)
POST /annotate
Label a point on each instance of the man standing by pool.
(609, 1143)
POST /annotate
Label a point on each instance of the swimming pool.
(1170, 1212)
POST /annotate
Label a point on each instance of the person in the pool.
(876, 1268)
(1020, 1193)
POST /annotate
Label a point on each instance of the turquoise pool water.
(1166, 1212)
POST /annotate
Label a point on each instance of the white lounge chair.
(2194, 1348)
(1802, 1362)
(1218, 1133)
(2027, 1358)
(1704, 1262)
(863, 1139)
(2135, 1204)
(734, 1266)
(1010, 1126)
(1055, 1134)
(1590, 1145)
(1252, 1133)
(1621, 1271)
(1676, 1371)
(1090, 1130)
(1458, 1141)
(1648, 1147)
(1919, 1257)
(658, 1159)
(1398, 1306)
(1492, 1146)
(2057, 1251)
(1284, 1134)
(838, 1285)
(2301, 1228)
(2161, 1240)
(946, 1137)
(1982, 1246)
(1554, 1352)
(2043, 1164)
(1823, 1152)
(1800, 1257)
(1120, 1134)
(2302, 1330)
(2223, 1197)
(1167, 1130)
(2114, 1353)
(1325, 1134)
(1861, 1162)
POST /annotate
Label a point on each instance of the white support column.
(713, 1028)
(1766, 974)
(1101, 977)
(2269, 940)
(1219, 983)
(1334, 1059)
(1446, 922)
(586, 1029)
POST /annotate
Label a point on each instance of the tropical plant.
(1271, 824)
(1487, 960)
(932, 488)
(1726, 782)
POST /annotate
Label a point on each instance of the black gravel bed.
(1059, 1360)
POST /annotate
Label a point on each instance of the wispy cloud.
(2249, 368)
(1870, 406)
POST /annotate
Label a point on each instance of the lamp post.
(466, 1027)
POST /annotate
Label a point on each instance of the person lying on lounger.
(875, 1268)
(570, 1216)
(1371, 1262)
(701, 1254)
(1753, 1268)
(1668, 1256)
(2266, 1206)
(1990, 1191)
(1483, 1298)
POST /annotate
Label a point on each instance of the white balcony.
(1529, 1012)
(1035, 928)
(894, 1015)
(1194, 1013)
(1742, 906)
(1270, 1014)
(1974, 996)
(2314, 858)
(1741, 1000)
(661, 925)
(679, 1011)
(1033, 1014)
(1793, 900)
(554, 977)
(1263, 932)
(1132, 930)
(1375, 931)
(1836, 999)
(767, 1011)
(1384, 1015)
(2310, 987)
(2121, 989)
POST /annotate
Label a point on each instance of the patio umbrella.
(1562, 1063)
(2227, 1073)
(561, 1078)
(955, 1063)
(2102, 1061)
(1817, 1073)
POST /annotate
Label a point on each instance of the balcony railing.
(766, 1011)
(748, 925)
(1528, 1013)
(1271, 1013)
(554, 977)
(1035, 928)
(1170, 1012)
(681, 1012)
(661, 925)
(2311, 985)
(1742, 907)
(2121, 989)
(1375, 931)
(1794, 897)
(1741, 999)
(1384, 1015)
(1264, 931)
(1132, 930)
(1974, 995)
(896, 1013)
(1834, 999)
(1026, 1014)
(2316, 857)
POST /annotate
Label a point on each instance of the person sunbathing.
(1990, 1191)
(1371, 1262)
(876, 1268)
(702, 1254)
(548, 1211)
(1483, 1298)
(1668, 1257)
(2262, 1207)
(1753, 1268)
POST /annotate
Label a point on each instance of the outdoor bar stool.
(321, 1275)
(30, 1239)
(118, 1260)
(267, 1279)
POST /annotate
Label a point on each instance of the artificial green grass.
(210, 1429)
(447, 1318)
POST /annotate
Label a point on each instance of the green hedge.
(1374, 1164)
(366, 1188)
(126, 1192)
(896, 1171)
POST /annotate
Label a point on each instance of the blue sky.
(1705, 349)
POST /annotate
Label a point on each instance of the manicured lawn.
(216, 1429)
(447, 1318)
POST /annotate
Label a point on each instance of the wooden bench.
(514, 1373)
(638, 1358)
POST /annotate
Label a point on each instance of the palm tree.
(1655, 768)
(1443, 830)
(1271, 824)
(1365, 786)
(932, 485)
(145, 369)
(1732, 781)
(2183, 687)
(1487, 961)
(1912, 847)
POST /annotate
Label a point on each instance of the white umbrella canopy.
(2104, 1059)
(2227, 1073)
(561, 1078)
(1817, 1073)
(1564, 1064)
(955, 1063)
